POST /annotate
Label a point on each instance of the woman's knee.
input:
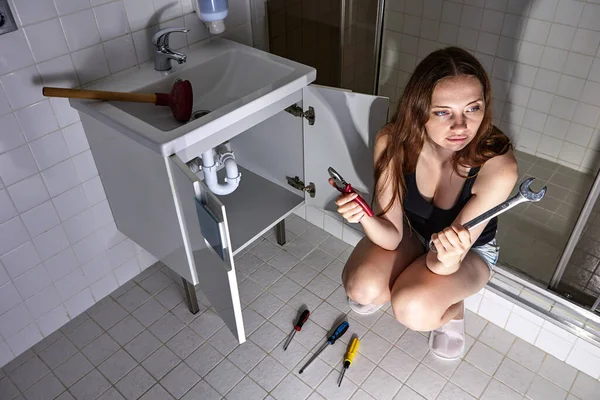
(364, 287)
(416, 310)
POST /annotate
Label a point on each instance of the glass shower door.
(577, 276)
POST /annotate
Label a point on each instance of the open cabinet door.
(342, 137)
(208, 244)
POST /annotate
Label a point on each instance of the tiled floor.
(532, 236)
(141, 342)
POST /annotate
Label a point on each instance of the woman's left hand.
(452, 244)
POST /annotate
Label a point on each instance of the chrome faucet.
(164, 55)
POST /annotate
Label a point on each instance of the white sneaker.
(364, 309)
(448, 342)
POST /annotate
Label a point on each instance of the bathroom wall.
(542, 57)
(60, 251)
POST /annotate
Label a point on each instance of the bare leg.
(371, 271)
(424, 301)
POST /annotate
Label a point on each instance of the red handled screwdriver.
(297, 328)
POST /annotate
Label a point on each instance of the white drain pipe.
(209, 168)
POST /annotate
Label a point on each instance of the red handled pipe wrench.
(344, 187)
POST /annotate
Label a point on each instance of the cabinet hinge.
(296, 183)
(297, 111)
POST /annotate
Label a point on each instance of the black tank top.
(427, 219)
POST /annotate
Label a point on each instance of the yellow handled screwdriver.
(350, 353)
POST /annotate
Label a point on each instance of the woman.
(438, 164)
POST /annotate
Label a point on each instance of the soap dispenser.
(213, 13)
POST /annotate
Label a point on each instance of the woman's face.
(457, 109)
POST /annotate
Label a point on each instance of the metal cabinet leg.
(190, 295)
(280, 232)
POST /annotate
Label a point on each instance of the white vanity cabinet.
(282, 151)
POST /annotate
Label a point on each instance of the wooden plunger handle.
(98, 95)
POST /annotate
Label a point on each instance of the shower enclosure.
(550, 251)
(340, 38)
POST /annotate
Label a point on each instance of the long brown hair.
(407, 129)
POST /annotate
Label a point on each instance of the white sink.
(230, 80)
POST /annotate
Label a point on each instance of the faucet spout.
(164, 54)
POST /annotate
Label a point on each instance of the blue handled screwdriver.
(339, 331)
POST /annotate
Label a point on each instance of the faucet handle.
(161, 38)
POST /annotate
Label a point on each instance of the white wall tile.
(24, 339)
(14, 320)
(28, 193)
(536, 31)
(7, 209)
(333, 226)
(487, 43)
(15, 52)
(80, 29)
(494, 312)
(570, 87)
(109, 236)
(70, 6)
(549, 146)
(61, 264)
(49, 150)
(70, 203)
(543, 10)
(112, 20)
(579, 134)
(75, 138)
(31, 11)
(586, 41)
(556, 127)
(104, 286)
(80, 226)
(94, 191)
(586, 114)
(41, 35)
(546, 80)
(540, 101)
(53, 320)
(127, 271)
(4, 104)
(120, 53)
(39, 219)
(467, 38)
(60, 177)
(590, 16)
(561, 36)
(32, 281)
(65, 114)
(12, 136)
(59, 72)
(37, 120)
(97, 268)
(22, 87)
(9, 297)
(90, 63)
(553, 344)
(170, 9)
(578, 65)
(571, 153)
(591, 93)
(6, 353)
(563, 107)
(71, 284)
(51, 242)
(88, 248)
(102, 213)
(139, 13)
(531, 53)
(42, 302)
(534, 120)
(528, 140)
(568, 12)
(79, 303)
(12, 235)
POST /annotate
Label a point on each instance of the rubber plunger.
(180, 100)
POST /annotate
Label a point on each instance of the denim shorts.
(489, 252)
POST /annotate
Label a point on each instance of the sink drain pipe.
(209, 168)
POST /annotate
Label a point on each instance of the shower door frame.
(574, 238)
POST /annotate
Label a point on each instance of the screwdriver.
(297, 327)
(352, 349)
(339, 331)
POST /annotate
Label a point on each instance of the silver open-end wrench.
(525, 194)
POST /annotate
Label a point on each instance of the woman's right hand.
(347, 207)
